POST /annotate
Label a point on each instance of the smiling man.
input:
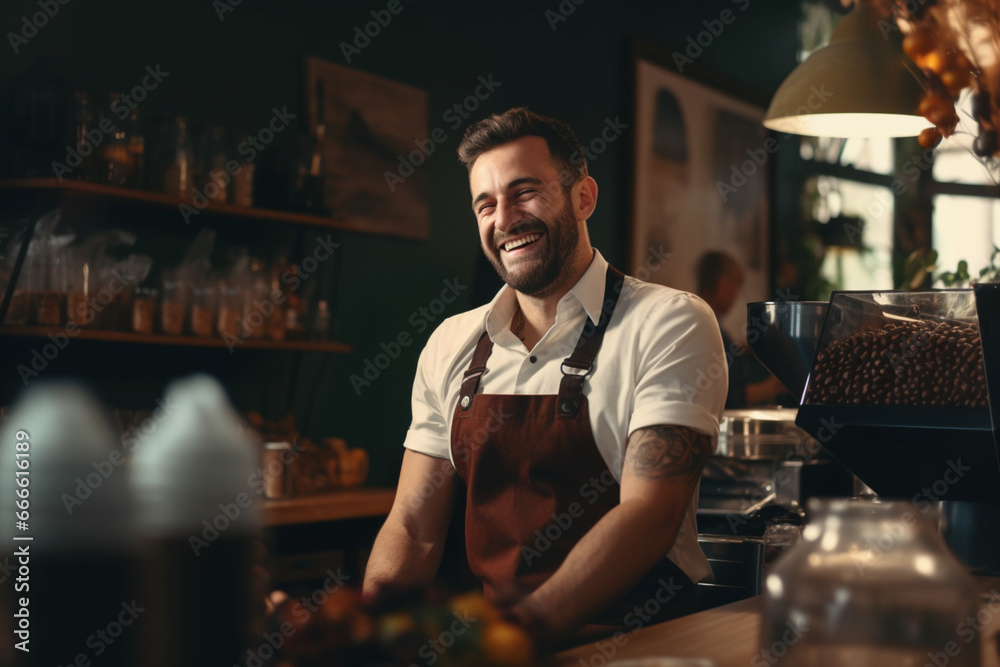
(558, 410)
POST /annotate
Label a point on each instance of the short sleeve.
(429, 432)
(682, 375)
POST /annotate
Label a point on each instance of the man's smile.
(519, 242)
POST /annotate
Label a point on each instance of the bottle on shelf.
(136, 145)
(83, 127)
(178, 179)
(113, 162)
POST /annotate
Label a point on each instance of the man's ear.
(585, 197)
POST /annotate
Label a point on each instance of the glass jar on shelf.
(144, 309)
(260, 303)
(21, 310)
(204, 308)
(173, 304)
(870, 583)
(50, 298)
(231, 307)
(212, 179)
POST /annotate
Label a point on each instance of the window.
(965, 224)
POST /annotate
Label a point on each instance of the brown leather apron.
(536, 483)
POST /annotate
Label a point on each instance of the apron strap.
(579, 365)
(575, 369)
(470, 381)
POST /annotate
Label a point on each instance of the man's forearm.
(408, 549)
(398, 559)
(659, 478)
(610, 559)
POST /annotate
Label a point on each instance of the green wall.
(234, 70)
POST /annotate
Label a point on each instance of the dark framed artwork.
(374, 176)
(701, 160)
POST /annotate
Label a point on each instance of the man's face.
(527, 224)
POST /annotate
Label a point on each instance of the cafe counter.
(729, 636)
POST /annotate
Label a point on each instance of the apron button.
(566, 407)
(465, 402)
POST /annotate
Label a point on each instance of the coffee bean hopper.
(904, 389)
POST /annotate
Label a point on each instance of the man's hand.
(661, 471)
(408, 549)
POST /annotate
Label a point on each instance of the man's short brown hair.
(499, 129)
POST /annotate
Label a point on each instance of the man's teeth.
(524, 240)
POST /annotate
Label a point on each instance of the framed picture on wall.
(700, 168)
(372, 176)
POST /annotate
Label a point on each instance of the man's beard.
(561, 240)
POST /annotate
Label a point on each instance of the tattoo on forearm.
(667, 451)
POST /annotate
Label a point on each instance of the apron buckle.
(575, 368)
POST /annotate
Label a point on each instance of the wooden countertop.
(334, 506)
(728, 635)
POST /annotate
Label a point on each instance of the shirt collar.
(588, 292)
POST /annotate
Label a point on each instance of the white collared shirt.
(662, 362)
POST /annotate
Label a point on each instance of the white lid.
(196, 467)
(77, 496)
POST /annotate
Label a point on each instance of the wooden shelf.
(192, 341)
(347, 504)
(98, 190)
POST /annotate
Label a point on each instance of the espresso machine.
(903, 389)
(766, 467)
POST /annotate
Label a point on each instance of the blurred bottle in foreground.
(67, 535)
(197, 525)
